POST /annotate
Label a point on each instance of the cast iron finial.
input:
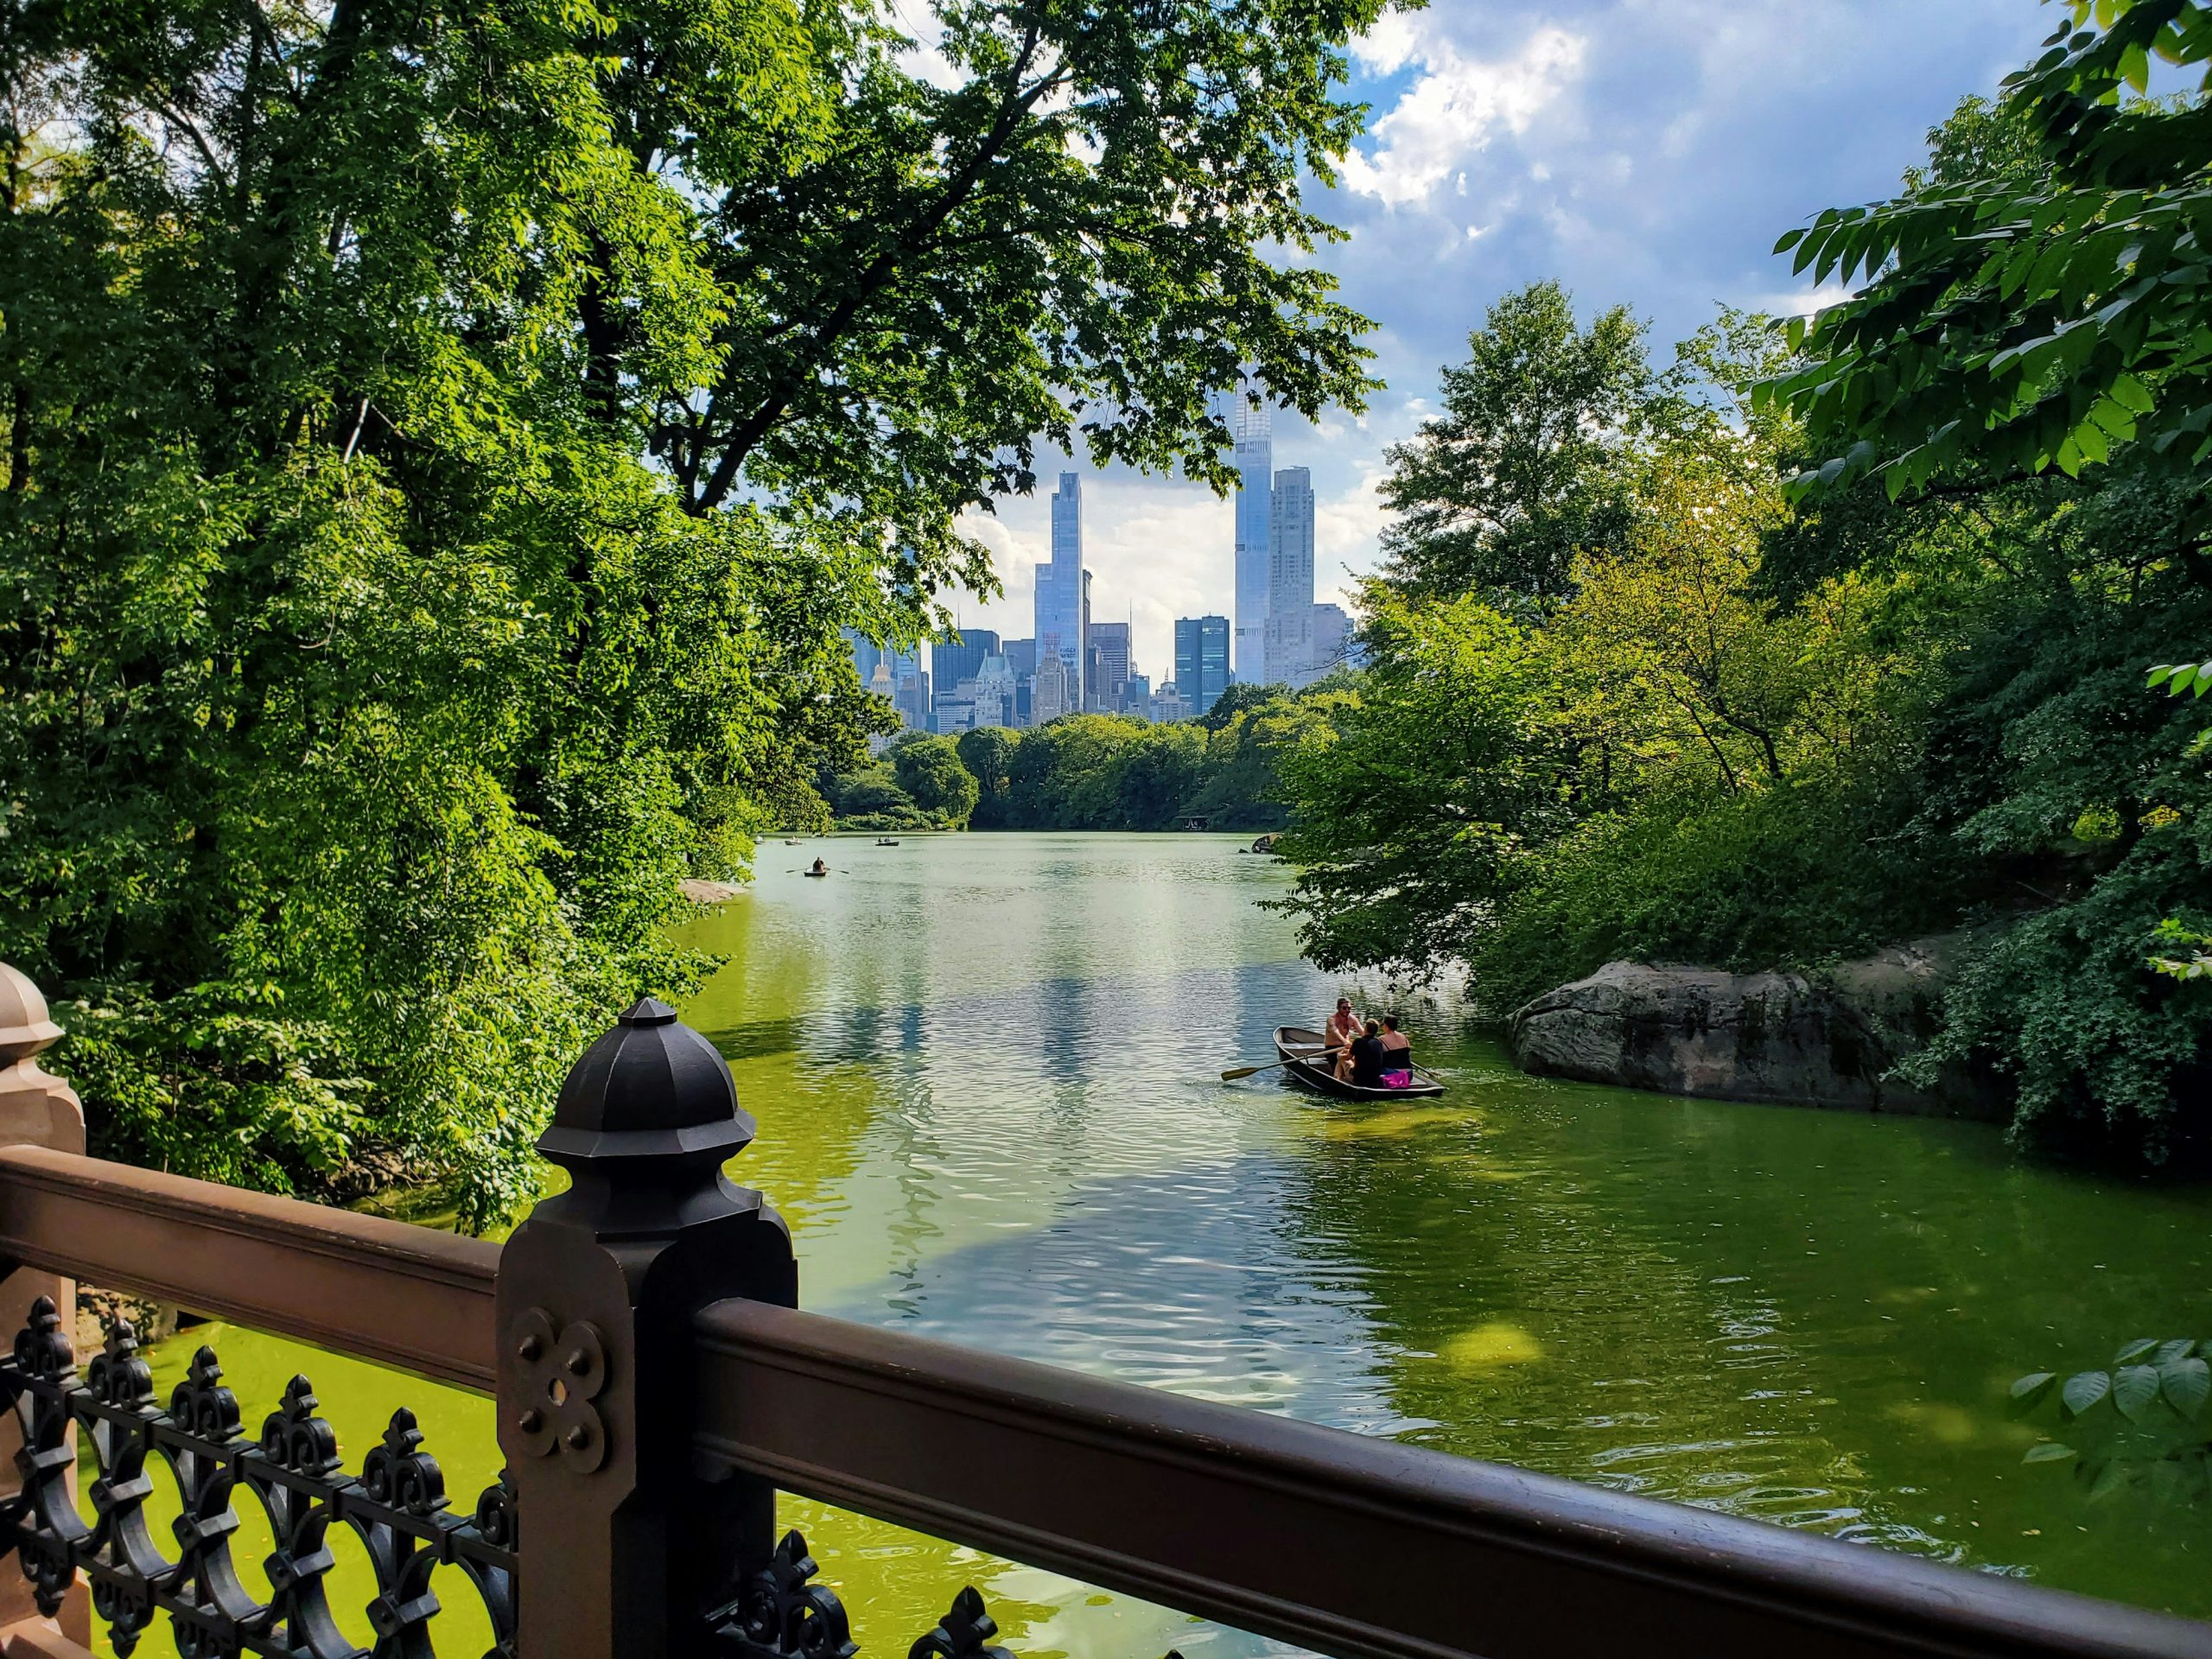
(651, 1088)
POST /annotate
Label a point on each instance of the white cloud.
(1348, 533)
(1454, 105)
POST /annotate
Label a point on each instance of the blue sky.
(1644, 152)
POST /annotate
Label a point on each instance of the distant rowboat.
(1302, 1051)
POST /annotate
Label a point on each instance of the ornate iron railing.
(656, 1385)
(397, 1505)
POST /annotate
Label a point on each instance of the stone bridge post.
(38, 1109)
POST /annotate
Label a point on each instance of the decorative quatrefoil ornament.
(563, 1372)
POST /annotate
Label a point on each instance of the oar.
(1253, 1071)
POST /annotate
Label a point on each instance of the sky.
(1644, 152)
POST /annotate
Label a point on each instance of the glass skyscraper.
(1062, 593)
(1290, 578)
(1201, 660)
(1252, 424)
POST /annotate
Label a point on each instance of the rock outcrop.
(1764, 1037)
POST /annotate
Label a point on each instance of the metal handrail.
(413, 1298)
(1353, 1545)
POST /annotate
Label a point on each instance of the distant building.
(1290, 655)
(912, 701)
(1332, 641)
(1201, 660)
(1063, 599)
(994, 698)
(960, 658)
(1109, 665)
(1251, 424)
(1052, 694)
(1168, 705)
(1136, 698)
(866, 653)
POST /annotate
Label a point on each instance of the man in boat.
(821, 867)
(1337, 1036)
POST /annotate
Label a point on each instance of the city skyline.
(1276, 634)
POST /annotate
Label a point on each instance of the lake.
(986, 1073)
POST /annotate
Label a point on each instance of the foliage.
(1418, 814)
(1521, 473)
(2017, 319)
(1666, 757)
(987, 753)
(2171, 936)
(1812, 871)
(929, 770)
(2138, 1419)
(437, 449)
(1106, 772)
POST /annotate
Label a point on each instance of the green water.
(984, 1069)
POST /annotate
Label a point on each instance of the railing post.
(38, 1109)
(628, 1544)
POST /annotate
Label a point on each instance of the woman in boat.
(1367, 1057)
(820, 869)
(1397, 1055)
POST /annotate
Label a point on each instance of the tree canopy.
(440, 446)
(2038, 298)
(1520, 473)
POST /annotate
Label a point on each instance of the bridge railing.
(656, 1386)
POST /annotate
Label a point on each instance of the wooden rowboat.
(1302, 1049)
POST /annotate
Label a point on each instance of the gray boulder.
(1764, 1037)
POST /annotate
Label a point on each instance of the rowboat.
(1302, 1050)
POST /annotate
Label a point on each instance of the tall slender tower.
(1290, 579)
(1063, 587)
(1251, 421)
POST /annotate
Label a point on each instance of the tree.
(2025, 319)
(929, 769)
(987, 753)
(1409, 823)
(1235, 701)
(441, 445)
(1520, 472)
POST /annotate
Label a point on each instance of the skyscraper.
(1252, 424)
(1332, 640)
(1052, 696)
(1063, 587)
(1201, 660)
(1109, 662)
(1290, 578)
(866, 653)
(961, 659)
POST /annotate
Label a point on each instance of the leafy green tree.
(1159, 771)
(2014, 318)
(1061, 776)
(1409, 825)
(440, 447)
(987, 753)
(1237, 700)
(1240, 785)
(1520, 472)
(929, 769)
